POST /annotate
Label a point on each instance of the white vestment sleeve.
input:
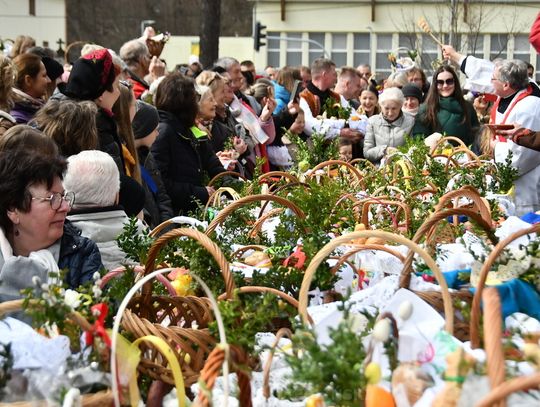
(479, 73)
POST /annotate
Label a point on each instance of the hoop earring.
(16, 232)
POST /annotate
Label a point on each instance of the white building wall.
(331, 20)
(49, 23)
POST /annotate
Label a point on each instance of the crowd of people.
(85, 146)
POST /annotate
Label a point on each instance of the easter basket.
(173, 318)
(387, 237)
(434, 298)
(233, 206)
(98, 399)
(486, 267)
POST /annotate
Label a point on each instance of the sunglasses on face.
(442, 82)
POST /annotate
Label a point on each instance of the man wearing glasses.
(518, 104)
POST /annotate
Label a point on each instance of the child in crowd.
(157, 203)
(345, 149)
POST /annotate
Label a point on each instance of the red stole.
(493, 115)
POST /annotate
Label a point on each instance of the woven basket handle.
(220, 217)
(448, 139)
(237, 254)
(347, 197)
(486, 267)
(257, 226)
(508, 387)
(203, 240)
(8, 307)
(276, 176)
(328, 164)
(469, 193)
(262, 290)
(214, 199)
(368, 164)
(430, 223)
(361, 247)
(177, 220)
(493, 337)
(212, 369)
(224, 174)
(282, 188)
(401, 207)
(387, 236)
(282, 333)
(465, 150)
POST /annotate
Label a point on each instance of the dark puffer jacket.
(183, 161)
(109, 142)
(79, 255)
(157, 203)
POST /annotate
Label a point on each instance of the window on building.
(383, 67)
(522, 49)
(499, 44)
(475, 45)
(428, 54)
(32, 7)
(294, 50)
(272, 50)
(362, 49)
(339, 49)
(315, 51)
(408, 40)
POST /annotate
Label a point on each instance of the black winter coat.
(109, 141)
(183, 161)
(157, 205)
(79, 255)
(131, 192)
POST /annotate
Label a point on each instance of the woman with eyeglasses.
(35, 238)
(445, 110)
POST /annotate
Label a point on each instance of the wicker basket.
(451, 199)
(356, 248)
(343, 168)
(387, 236)
(222, 215)
(426, 230)
(282, 333)
(486, 267)
(402, 210)
(237, 361)
(147, 312)
(500, 388)
(102, 398)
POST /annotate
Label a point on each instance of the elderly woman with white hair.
(389, 128)
(93, 177)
